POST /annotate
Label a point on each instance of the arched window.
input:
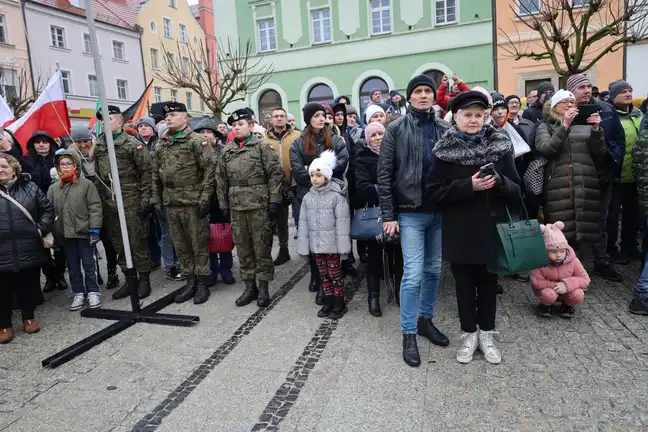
(321, 93)
(436, 75)
(373, 83)
(269, 99)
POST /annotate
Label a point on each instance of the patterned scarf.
(374, 147)
(70, 177)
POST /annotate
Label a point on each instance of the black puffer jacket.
(21, 246)
(41, 165)
(366, 179)
(533, 113)
(299, 161)
(400, 166)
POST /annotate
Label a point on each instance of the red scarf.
(70, 177)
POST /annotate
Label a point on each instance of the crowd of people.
(438, 168)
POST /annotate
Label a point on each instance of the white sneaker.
(467, 348)
(77, 302)
(94, 300)
(487, 346)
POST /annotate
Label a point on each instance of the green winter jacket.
(630, 122)
(77, 208)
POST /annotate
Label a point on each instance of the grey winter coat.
(573, 193)
(324, 221)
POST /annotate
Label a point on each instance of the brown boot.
(31, 326)
(6, 335)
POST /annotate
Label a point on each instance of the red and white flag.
(48, 114)
(6, 116)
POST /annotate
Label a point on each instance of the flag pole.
(125, 319)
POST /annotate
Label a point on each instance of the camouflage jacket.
(134, 166)
(183, 173)
(248, 177)
(640, 169)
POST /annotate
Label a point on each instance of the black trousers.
(111, 253)
(624, 203)
(25, 285)
(54, 267)
(281, 224)
(476, 296)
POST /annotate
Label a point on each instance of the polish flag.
(49, 114)
(6, 116)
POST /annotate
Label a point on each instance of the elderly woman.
(472, 180)
(572, 186)
(25, 216)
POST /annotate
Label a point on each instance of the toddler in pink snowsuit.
(563, 279)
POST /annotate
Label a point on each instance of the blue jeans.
(420, 235)
(169, 256)
(221, 264)
(79, 253)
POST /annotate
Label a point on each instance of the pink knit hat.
(373, 128)
(553, 236)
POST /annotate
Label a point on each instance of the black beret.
(174, 107)
(467, 99)
(240, 114)
(112, 109)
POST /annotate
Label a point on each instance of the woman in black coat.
(472, 203)
(21, 247)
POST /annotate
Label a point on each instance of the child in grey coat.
(324, 230)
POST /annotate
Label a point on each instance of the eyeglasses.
(567, 102)
(514, 103)
(66, 164)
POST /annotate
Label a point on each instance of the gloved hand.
(203, 211)
(145, 211)
(94, 237)
(560, 288)
(273, 209)
(225, 214)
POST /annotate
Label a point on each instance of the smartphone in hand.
(486, 170)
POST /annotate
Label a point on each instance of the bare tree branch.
(17, 89)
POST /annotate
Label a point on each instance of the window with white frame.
(185, 65)
(93, 85)
(66, 78)
(174, 95)
(189, 101)
(122, 89)
(172, 3)
(119, 52)
(526, 7)
(78, 4)
(202, 105)
(380, 17)
(87, 45)
(580, 3)
(267, 35)
(155, 59)
(3, 29)
(182, 30)
(321, 20)
(8, 81)
(166, 22)
(157, 94)
(446, 11)
(57, 35)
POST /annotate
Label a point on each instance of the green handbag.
(520, 246)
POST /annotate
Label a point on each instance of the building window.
(3, 29)
(527, 7)
(202, 105)
(321, 25)
(78, 4)
(269, 100)
(87, 45)
(582, 3)
(436, 75)
(530, 85)
(446, 11)
(166, 22)
(118, 50)
(189, 101)
(185, 65)
(373, 83)
(93, 85)
(267, 35)
(183, 33)
(58, 36)
(157, 93)
(155, 59)
(153, 26)
(174, 95)
(380, 17)
(8, 84)
(172, 3)
(320, 93)
(122, 89)
(67, 81)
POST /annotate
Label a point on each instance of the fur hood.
(490, 145)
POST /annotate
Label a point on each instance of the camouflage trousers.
(138, 231)
(252, 232)
(190, 237)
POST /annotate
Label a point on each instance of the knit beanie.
(420, 80)
(545, 86)
(499, 101)
(327, 108)
(560, 96)
(373, 91)
(553, 236)
(617, 87)
(575, 81)
(371, 110)
(80, 133)
(372, 129)
(146, 120)
(324, 164)
(350, 109)
(309, 111)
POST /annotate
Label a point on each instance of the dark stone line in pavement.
(151, 421)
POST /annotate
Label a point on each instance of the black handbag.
(367, 224)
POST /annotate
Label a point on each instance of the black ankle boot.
(373, 286)
(144, 288)
(50, 285)
(427, 329)
(339, 308)
(411, 354)
(250, 293)
(113, 279)
(122, 292)
(319, 297)
(283, 257)
(263, 300)
(324, 312)
(202, 291)
(188, 290)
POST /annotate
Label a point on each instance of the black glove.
(145, 211)
(226, 216)
(273, 209)
(203, 211)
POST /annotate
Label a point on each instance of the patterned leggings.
(330, 271)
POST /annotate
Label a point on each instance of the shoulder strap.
(17, 204)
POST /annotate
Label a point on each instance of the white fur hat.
(560, 96)
(371, 110)
(324, 164)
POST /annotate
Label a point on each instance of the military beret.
(239, 114)
(112, 109)
(174, 107)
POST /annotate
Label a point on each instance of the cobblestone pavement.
(244, 369)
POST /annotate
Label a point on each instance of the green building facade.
(321, 49)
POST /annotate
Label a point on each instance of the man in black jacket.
(405, 158)
(534, 112)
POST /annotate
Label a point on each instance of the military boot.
(250, 293)
(264, 296)
(188, 290)
(283, 257)
(122, 292)
(144, 288)
(113, 279)
(373, 287)
(202, 291)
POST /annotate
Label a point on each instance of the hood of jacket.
(30, 144)
(490, 145)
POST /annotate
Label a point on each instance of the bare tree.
(18, 88)
(570, 31)
(238, 72)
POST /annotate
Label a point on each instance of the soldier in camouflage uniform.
(134, 166)
(249, 185)
(183, 182)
